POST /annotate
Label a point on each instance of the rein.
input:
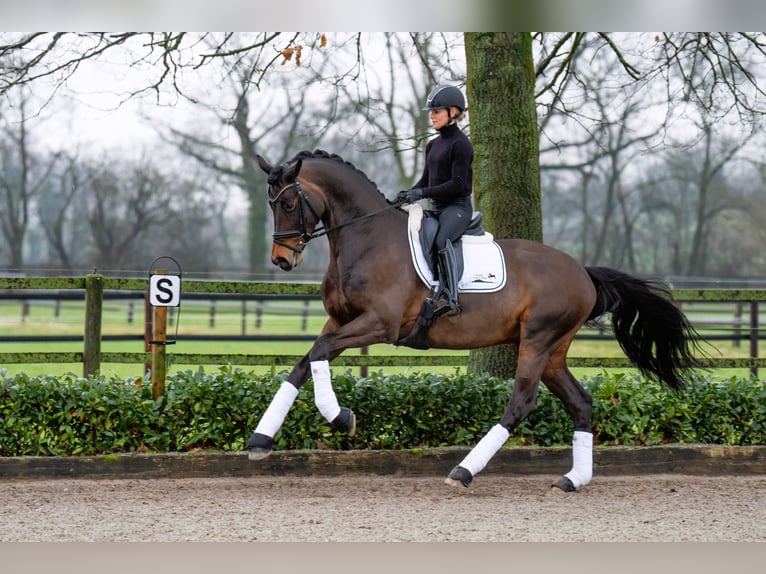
(303, 233)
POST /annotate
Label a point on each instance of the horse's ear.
(264, 165)
(295, 169)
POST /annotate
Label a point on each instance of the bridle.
(303, 232)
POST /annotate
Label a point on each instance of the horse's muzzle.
(286, 265)
(286, 257)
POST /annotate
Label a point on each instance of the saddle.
(480, 259)
(482, 271)
(429, 226)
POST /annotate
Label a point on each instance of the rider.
(447, 182)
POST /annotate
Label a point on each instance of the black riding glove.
(410, 196)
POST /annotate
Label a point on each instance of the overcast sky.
(388, 15)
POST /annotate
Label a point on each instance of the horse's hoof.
(563, 484)
(259, 446)
(258, 453)
(345, 421)
(459, 476)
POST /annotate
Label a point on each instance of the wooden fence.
(95, 287)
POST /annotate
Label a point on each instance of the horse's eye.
(288, 204)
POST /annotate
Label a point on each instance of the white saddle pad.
(484, 266)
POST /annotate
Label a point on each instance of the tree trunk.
(257, 244)
(252, 178)
(504, 133)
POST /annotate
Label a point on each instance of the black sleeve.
(460, 176)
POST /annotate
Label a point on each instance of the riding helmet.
(445, 96)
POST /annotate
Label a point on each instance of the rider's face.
(439, 118)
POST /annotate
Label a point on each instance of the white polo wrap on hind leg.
(275, 414)
(582, 459)
(324, 396)
(485, 449)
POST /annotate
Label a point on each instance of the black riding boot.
(448, 279)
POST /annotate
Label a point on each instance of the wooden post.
(148, 320)
(94, 297)
(258, 313)
(158, 344)
(305, 315)
(754, 335)
(363, 369)
(159, 338)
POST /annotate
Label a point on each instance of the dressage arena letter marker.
(165, 290)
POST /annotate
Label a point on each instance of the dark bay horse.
(372, 294)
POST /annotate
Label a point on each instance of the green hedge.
(84, 416)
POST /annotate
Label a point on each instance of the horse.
(372, 295)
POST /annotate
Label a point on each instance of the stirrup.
(452, 309)
(447, 305)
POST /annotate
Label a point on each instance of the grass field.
(277, 318)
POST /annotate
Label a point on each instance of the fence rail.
(95, 289)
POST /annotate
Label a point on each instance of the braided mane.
(322, 154)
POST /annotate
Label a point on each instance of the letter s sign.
(165, 290)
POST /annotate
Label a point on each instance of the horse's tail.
(652, 331)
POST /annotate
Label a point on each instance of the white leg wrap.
(275, 414)
(324, 396)
(582, 459)
(485, 449)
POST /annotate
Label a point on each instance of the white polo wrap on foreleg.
(275, 414)
(485, 449)
(324, 396)
(582, 459)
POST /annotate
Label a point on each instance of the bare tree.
(705, 67)
(54, 208)
(194, 230)
(711, 65)
(605, 159)
(274, 134)
(388, 114)
(22, 175)
(163, 56)
(696, 195)
(123, 202)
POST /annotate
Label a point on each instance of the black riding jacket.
(447, 176)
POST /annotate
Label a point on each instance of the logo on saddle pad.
(483, 263)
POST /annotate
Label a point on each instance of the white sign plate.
(165, 290)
